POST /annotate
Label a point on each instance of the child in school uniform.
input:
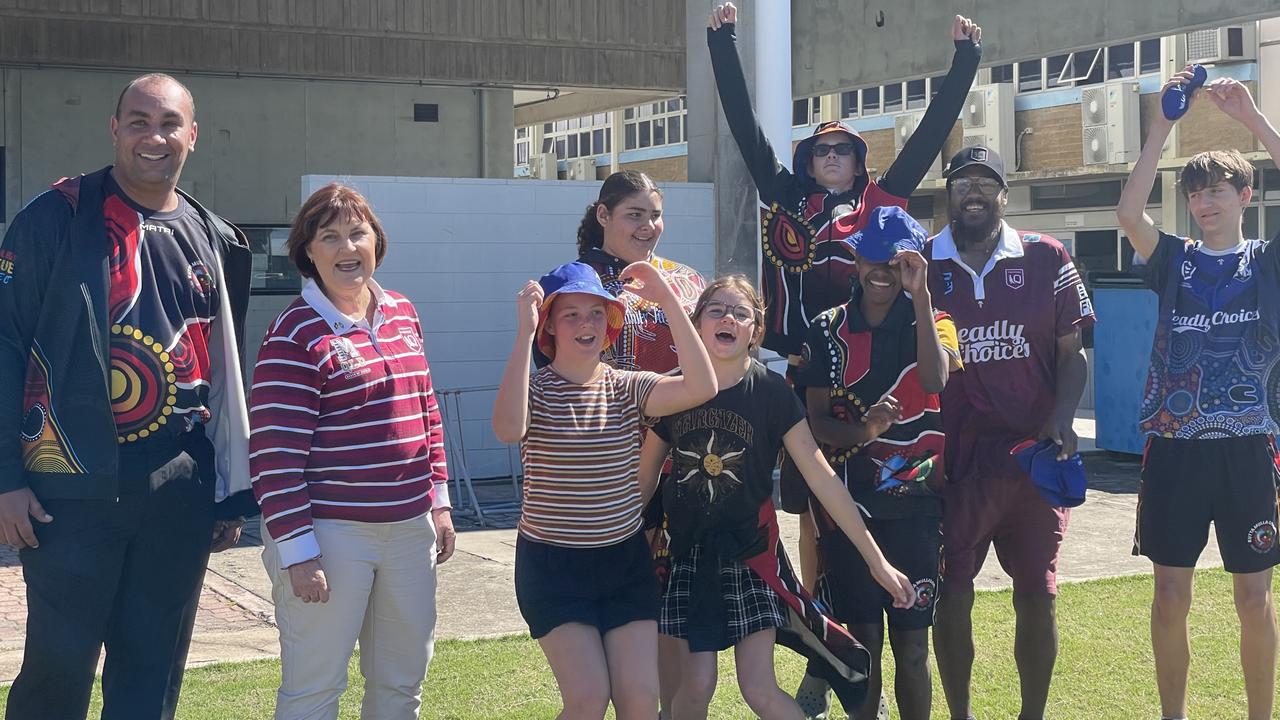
(584, 577)
(731, 584)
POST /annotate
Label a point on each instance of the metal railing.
(469, 504)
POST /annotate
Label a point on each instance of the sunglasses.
(742, 313)
(841, 149)
(986, 186)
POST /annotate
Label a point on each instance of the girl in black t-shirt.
(731, 583)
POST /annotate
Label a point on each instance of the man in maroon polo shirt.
(1019, 306)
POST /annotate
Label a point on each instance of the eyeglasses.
(842, 149)
(742, 313)
(986, 186)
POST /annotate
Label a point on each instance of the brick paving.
(226, 610)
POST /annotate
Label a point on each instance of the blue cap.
(575, 277)
(1061, 483)
(888, 230)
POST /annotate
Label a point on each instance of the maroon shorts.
(1001, 508)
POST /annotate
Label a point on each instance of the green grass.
(1104, 666)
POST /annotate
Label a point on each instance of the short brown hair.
(1210, 168)
(329, 203)
(741, 284)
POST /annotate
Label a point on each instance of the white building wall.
(460, 249)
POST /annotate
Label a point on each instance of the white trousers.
(382, 592)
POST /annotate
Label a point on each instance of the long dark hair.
(616, 188)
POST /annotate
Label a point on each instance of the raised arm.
(933, 363)
(909, 168)
(1132, 210)
(1234, 99)
(735, 101)
(829, 491)
(511, 407)
(696, 382)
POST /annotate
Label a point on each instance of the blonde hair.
(741, 284)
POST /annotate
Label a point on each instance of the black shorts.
(1186, 484)
(912, 545)
(793, 491)
(605, 587)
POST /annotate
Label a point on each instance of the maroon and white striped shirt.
(343, 421)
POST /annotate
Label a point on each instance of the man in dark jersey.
(119, 316)
(1019, 307)
(1211, 401)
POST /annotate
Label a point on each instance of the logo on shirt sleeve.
(7, 262)
(411, 339)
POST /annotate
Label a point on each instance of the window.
(1085, 67)
(893, 97)
(273, 272)
(577, 137)
(1082, 68)
(871, 101)
(653, 124)
(849, 104)
(806, 111)
(935, 84)
(799, 112)
(1029, 76)
(1149, 56)
(915, 94)
(523, 145)
(1120, 61)
(1053, 67)
(1060, 196)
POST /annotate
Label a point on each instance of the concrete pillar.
(616, 136)
(713, 155)
(495, 132)
(773, 73)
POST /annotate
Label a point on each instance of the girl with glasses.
(731, 584)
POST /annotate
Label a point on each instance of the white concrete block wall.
(460, 249)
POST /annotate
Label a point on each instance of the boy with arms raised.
(1209, 405)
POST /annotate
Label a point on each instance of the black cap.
(977, 155)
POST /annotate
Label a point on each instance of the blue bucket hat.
(888, 230)
(575, 277)
(1061, 483)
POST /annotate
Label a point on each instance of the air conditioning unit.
(543, 166)
(988, 119)
(583, 168)
(1109, 124)
(904, 124)
(1224, 44)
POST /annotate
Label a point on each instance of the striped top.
(343, 421)
(581, 457)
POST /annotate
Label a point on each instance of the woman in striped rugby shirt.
(347, 457)
(584, 580)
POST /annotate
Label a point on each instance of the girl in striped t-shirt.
(584, 580)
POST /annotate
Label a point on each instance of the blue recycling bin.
(1127, 314)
